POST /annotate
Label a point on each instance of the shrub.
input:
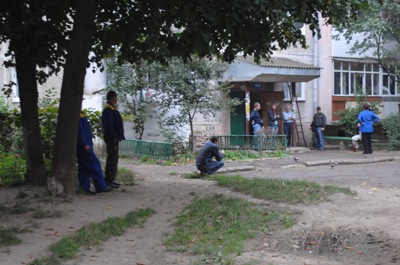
(12, 169)
(391, 127)
(348, 117)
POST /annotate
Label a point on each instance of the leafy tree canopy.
(380, 27)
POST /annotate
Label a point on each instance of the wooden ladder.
(298, 123)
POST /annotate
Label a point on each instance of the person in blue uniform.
(205, 162)
(89, 166)
(113, 128)
(367, 118)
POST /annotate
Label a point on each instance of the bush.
(12, 169)
(391, 127)
(348, 117)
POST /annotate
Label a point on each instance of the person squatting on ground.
(356, 138)
(288, 120)
(318, 126)
(256, 122)
(273, 118)
(367, 118)
(204, 161)
(89, 166)
(113, 133)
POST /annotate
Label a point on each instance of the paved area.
(302, 157)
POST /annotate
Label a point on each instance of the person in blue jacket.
(367, 118)
(89, 166)
(257, 124)
(204, 161)
(113, 129)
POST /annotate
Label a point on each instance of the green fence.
(157, 150)
(252, 142)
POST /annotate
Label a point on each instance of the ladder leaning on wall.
(298, 123)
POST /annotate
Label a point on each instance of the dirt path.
(365, 226)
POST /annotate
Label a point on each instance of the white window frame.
(349, 72)
(14, 87)
(286, 91)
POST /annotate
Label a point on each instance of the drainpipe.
(315, 82)
(247, 107)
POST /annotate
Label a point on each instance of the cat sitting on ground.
(55, 187)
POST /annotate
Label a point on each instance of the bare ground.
(346, 230)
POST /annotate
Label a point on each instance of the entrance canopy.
(275, 70)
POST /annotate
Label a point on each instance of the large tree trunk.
(64, 156)
(26, 74)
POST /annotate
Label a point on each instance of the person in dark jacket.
(256, 123)
(204, 161)
(318, 126)
(367, 118)
(113, 133)
(89, 166)
(273, 118)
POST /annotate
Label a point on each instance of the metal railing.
(152, 149)
(252, 142)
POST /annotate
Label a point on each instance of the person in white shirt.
(288, 120)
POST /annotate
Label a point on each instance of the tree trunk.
(191, 133)
(64, 156)
(28, 94)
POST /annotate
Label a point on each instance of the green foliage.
(3, 105)
(40, 214)
(94, 119)
(130, 81)
(348, 117)
(48, 124)
(8, 236)
(12, 169)
(10, 131)
(379, 26)
(251, 155)
(91, 235)
(290, 191)
(126, 176)
(19, 207)
(189, 89)
(218, 226)
(391, 127)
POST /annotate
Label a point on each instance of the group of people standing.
(209, 158)
(366, 119)
(257, 123)
(89, 166)
(365, 127)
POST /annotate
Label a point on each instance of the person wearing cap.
(113, 130)
(367, 119)
(318, 127)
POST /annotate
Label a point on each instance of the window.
(352, 78)
(287, 92)
(15, 89)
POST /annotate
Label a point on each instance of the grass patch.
(19, 207)
(126, 176)
(39, 214)
(281, 190)
(8, 236)
(251, 155)
(21, 195)
(91, 235)
(218, 226)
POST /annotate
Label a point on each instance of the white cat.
(55, 187)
